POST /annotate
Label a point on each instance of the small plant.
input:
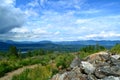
(115, 49)
(38, 73)
(64, 60)
(90, 49)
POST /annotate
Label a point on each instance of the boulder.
(98, 58)
(116, 57)
(103, 71)
(75, 62)
(56, 77)
(115, 61)
(111, 78)
(91, 77)
(72, 75)
(87, 67)
(98, 66)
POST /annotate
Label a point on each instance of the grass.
(10, 65)
(50, 64)
(38, 73)
(55, 60)
(46, 71)
(115, 49)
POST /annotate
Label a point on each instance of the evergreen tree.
(29, 54)
(13, 51)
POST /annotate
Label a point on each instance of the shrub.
(64, 60)
(38, 73)
(4, 67)
(115, 49)
(90, 49)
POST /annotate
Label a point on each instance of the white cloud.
(39, 31)
(57, 20)
(33, 3)
(91, 11)
(80, 21)
(10, 17)
(103, 35)
(20, 30)
(57, 33)
(7, 2)
(31, 13)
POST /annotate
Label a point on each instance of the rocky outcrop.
(75, 62)
(99, 66)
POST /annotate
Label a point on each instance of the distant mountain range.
(56, 46)
(89, 42)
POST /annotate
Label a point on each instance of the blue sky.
(59, 20)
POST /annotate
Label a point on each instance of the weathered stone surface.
(56, 77)
(75, 62)
(116, 56)
(98, 58)
(88, 68)
(103, 71)
(111, 78)
(72, 75)
(99, 66)
(77, 70)
(115, 62)
(99, 74)
(91, 77)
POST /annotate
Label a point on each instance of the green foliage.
(64, 60)
(38, 73)
(22, 76)
(51, 63)
(3, 54)
(84, 54)
(29, 54)
(54, 71)
(7, 65)
(115, 49)
(90, 49)
(13, 51)
(39, 52)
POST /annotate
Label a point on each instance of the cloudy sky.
(59, 20)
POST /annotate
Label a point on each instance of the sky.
(59, 20)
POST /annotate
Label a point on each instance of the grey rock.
(77, 70)
(69, 76)
(75, 62)
(116, 57)
(101, 72)
(98, 58)
(91, 77)
(99, 66)
(88, 68)
(56, 77)
(111, 78)
(115, 62)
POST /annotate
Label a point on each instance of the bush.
(64, 60)
(90, 49)
(38, 73)
(22, 76)
(115, 49)
(4, 68)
